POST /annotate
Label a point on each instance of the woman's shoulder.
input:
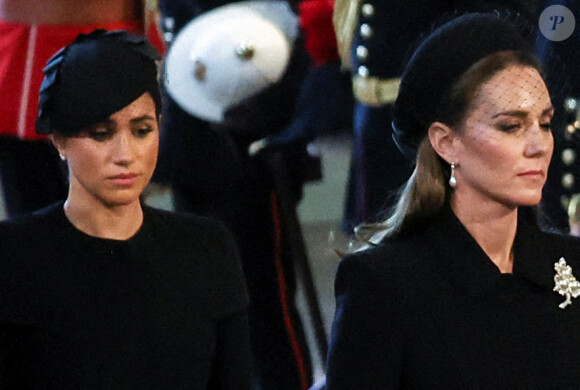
(24, 241)
(402, 251)
(566, 244)
(392, 258)
(207, 247)
(560, 237)
(30, 226)
(390, 274)
(188, 224)
(207, 240)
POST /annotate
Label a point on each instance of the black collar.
(534, 253)
(469, 267)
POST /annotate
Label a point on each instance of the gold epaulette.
(344, 18)
(373, 91)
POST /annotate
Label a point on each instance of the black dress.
(431, 311)
(165, 309)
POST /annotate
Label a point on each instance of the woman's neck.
(117, 222)
(493, 227)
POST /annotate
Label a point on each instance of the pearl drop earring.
(62, 156)
(452, 179)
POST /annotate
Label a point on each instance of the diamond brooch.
(566, 283)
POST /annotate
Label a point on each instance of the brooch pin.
(566, 283)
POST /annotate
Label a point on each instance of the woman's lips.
(532, 174)
(124, 179)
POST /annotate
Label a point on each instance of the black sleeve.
(227, 299)
(231, 368)
(224, 290)
(11, 375)
(367, 341)
(15, 306)
(4, 348)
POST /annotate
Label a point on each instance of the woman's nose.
(539, 140)
(124, 153)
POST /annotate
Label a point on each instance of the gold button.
(568, 156)
(367, 10)
(571, 104)
(568, 181)
(362, 53)
(363, 71)
(366, 31)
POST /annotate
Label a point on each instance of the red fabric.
(154, 36)
(305, 380)
(24, 51)
(319, 37)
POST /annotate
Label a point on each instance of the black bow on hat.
(95, 76)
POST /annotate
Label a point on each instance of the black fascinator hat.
(93, 77)
(438, 63)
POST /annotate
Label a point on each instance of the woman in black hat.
(461, 289)
(101, 291)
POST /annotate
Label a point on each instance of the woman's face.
(112, 162)
(506, 143)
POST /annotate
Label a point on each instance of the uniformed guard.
(374, 38)
(558, 46)
(204, 159)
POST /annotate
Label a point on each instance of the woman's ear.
(444, 141)
(59, 143)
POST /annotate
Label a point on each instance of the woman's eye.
(142, 132)
(546, 126)
(100, 135)
(509, 127)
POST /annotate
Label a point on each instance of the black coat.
(165, 309)
(431, 311)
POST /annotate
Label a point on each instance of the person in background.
(459, 288)
(205, 162)
(325, 102)
(30, 32)
(559, 54)
(100, 291)
(373, 39)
